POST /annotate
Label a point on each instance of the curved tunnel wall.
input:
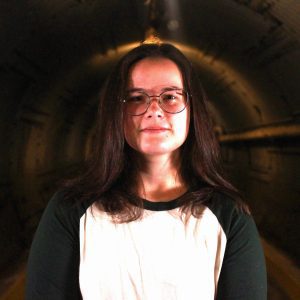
(57, 56)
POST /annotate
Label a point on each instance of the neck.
(159, 178)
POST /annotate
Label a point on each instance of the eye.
(136, 98)
(170, 96)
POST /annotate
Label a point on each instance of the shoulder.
(61, 206)
(64, 212)
(229, 214)
(61, 203)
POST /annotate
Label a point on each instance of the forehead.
(155, 73)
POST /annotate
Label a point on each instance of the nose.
(154, 108)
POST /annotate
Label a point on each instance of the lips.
(155, 129)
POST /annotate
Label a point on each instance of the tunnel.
(55, 56)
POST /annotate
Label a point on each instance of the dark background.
(54, 56)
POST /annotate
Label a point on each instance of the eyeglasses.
(172, 101)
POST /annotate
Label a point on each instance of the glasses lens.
(136, 103)
(173, 101)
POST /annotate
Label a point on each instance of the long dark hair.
(111, 167)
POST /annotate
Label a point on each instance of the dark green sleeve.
(53, 264)
(243, 272)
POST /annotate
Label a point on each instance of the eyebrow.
(168, 88)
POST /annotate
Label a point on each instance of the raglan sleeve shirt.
(54, 258)
(54, 263)
(243, 271)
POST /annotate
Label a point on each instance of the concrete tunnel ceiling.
(56, 54)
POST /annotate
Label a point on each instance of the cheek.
(182, 125)
(188, 121)
(129, 130)
(126, 130)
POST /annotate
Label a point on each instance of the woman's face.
(156, 132)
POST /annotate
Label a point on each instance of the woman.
(152, 217)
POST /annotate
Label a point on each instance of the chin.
(158, 150)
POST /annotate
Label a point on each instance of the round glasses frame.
(160, 101)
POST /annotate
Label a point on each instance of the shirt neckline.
(161, 205)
